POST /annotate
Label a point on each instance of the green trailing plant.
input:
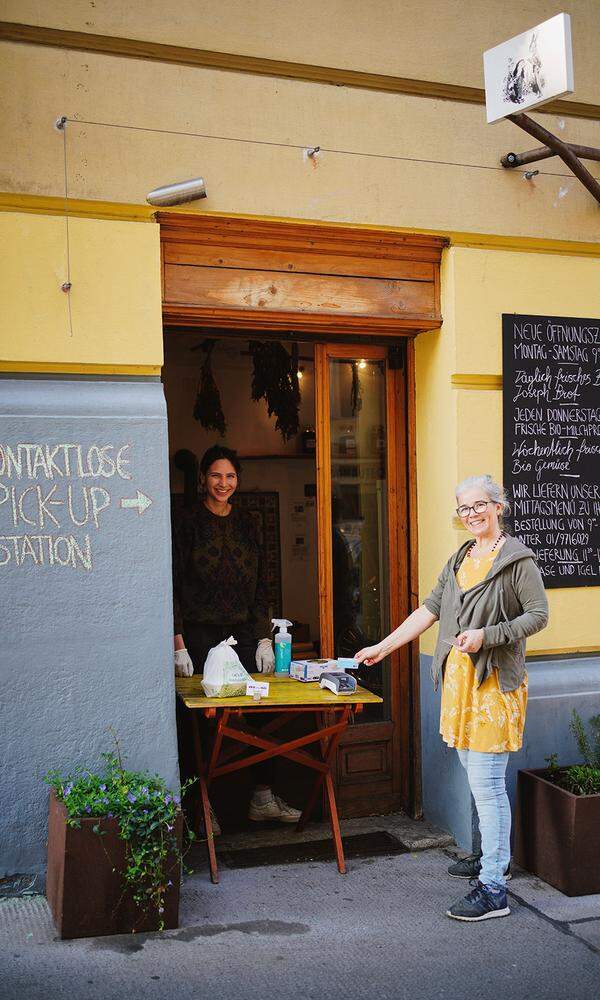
(580, 779)
(208, 410)
(146, 813)
(275, 379)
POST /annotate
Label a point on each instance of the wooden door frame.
(398, 498)
(363, 285)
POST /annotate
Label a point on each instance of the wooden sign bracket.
(568, 152)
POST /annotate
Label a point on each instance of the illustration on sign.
(551, 404)
(47, 488)
(530, 69)
(525, 76)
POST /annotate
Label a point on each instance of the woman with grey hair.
(488, 599)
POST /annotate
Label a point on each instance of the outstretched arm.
(412, 627)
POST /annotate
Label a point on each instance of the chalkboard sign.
(552, 442)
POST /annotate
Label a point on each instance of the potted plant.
(114, 851)
(557, 819)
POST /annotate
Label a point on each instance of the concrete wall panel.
(86, 608)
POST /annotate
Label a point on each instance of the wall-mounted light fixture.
(178, 194)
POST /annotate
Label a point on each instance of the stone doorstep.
(414, 835)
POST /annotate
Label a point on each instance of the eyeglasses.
(478, 508)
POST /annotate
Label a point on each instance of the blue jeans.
(486, 773)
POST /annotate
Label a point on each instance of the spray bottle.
(283, 645)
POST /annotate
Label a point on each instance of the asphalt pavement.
(303, 930)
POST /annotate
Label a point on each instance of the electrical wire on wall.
(309, 152)
(312, 151)
(61, 125)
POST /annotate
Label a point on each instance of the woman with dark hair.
(219, 589)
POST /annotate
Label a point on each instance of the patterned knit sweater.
(218, 571)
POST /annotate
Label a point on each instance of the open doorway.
(276, 488)
(357, 295)
(330, 501)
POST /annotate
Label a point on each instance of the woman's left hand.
(469, 641)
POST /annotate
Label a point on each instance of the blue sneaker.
(481, 903)
(471, 868)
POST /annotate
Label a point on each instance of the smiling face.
(484, 523)
(221, 481)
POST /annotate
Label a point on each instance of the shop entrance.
(346, 305)
(327, 505)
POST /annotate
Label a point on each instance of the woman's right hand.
(370, 655)
(183, 663)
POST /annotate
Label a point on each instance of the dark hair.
(217, 452)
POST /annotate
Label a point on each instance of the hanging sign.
(551, 414)
(530, 69)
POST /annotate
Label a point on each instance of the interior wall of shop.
(437, 163)
(465, 437)
(86, 642)
(250, 431)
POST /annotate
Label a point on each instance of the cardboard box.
(311, 670)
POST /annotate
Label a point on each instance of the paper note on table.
(260, 688)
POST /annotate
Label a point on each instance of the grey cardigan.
(509, 604)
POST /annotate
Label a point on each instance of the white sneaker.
(287, 813)
(273, 809)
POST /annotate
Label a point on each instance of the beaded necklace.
(494, 546)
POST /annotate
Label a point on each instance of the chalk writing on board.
(552, 442)
(46, 492)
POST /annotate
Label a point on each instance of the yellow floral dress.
(482, 718)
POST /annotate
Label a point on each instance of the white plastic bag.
(224, 675)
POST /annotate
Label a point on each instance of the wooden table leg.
(329, 747)
(335, 824)
(314, 792)
(221, 723)
(210, 838)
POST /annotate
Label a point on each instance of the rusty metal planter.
(557, 834)
(84, 882)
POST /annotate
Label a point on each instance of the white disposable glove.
(183, 663)
(265, 657)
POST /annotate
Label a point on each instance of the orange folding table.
(287, 697)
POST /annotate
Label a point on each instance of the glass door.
(361, 498)
(359, 515)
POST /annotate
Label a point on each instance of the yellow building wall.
(115, 297)
(432, 164)
(422, 39)
(435, 167)
(461, 433)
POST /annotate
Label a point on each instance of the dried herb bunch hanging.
(356, 392)
(207, 408)
(275, 379)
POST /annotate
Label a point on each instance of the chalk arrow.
(141, 501)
